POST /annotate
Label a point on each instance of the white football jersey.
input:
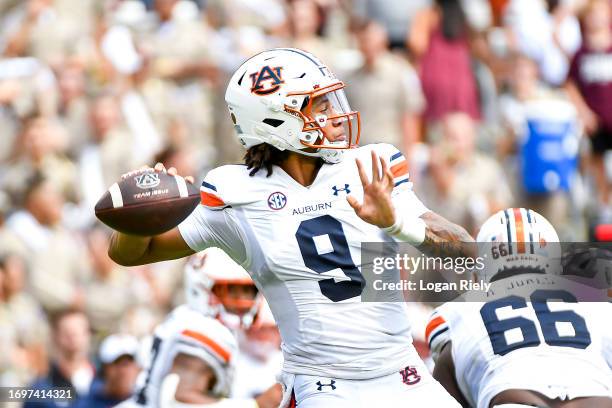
(548, 343)
(302, 247)
(253, 376)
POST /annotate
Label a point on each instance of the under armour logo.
(332, 384)
(410, 376)
(338, 190)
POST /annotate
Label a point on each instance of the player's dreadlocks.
(263, 156)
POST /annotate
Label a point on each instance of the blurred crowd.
(495, 103)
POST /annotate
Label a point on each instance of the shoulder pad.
(227, 186)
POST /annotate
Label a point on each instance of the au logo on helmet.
(267, 80)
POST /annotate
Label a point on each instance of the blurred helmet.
(210, 277)
(517, 240)
(270, 99)
(213, 343)
(264, 317)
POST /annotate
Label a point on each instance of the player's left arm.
(430, 232)
(444, 373)
(444, 238)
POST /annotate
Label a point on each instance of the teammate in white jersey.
(534, 344)
(295, 216)
(198, 353)
(218, 287)
(260, 361)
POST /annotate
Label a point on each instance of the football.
(147, 203)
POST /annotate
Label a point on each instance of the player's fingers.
(159, 167)
(190, 179)
(362, 174)
(132, 173)
(375, 171)
(354, 203)
(387, 175)
(172, 171)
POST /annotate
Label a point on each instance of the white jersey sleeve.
(213, 222)
(437, 333)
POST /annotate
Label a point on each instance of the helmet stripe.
(520, 230)
(508, 231)
(209, 343)
(529, 222)
(317, 63)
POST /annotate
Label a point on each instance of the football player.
(534, 344)
(260, 360)
(218, 287)
(201, 352)
(295, 215)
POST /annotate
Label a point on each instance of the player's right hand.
(377, 206)
(158, 168)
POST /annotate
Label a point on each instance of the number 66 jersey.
(301, 246)
(546, 342)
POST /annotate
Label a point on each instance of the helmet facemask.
(217, 286)
(236, 298)
(330, 125)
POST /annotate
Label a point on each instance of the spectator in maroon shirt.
(590, 86)
(439, 39)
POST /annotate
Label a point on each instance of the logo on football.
(277, 201)
(147, 180)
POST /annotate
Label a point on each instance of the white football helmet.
(213, 343)
(270, 99)
(208, 277)
(516, 240)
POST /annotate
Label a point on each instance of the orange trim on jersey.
(433, 325)
(520, 230)
(208, 342)
(400, 169)
(233, 281)
(210, 200)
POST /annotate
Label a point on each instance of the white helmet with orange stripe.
(217, 286)
(517, 240)
(289, 99)
(209, 341)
